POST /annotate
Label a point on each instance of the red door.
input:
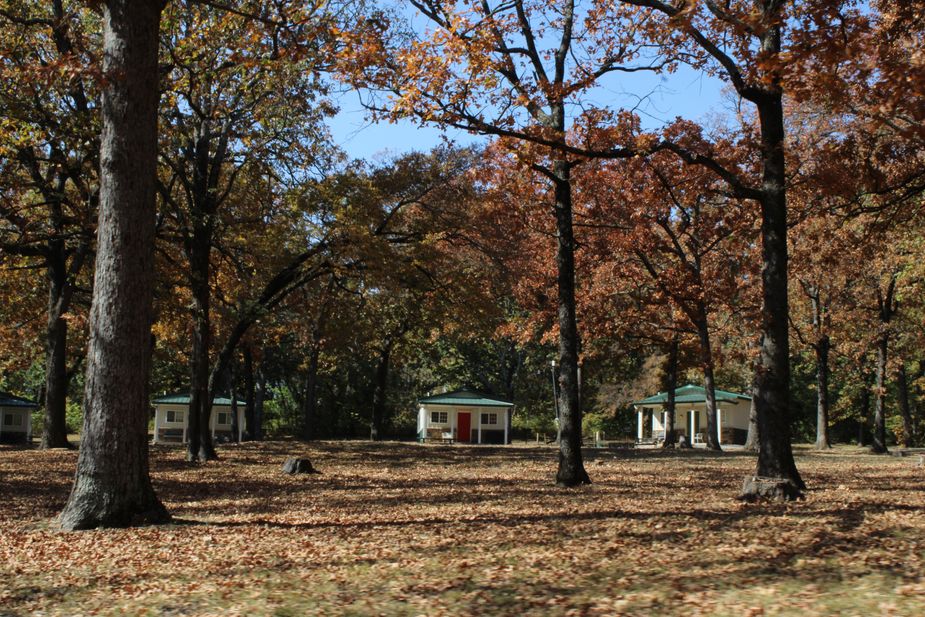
(463, 427)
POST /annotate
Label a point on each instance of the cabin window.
(489, 418)
(174, 417)
(224, 418)
(12, 419)
(439, 417)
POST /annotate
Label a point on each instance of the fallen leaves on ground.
(404, 529)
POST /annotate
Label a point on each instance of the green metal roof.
(692, 394)
(465, 398)
(8, 400)
(183, 399)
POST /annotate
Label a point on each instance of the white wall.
(160, 418)
(737, 415)
(23, 415)
(452, 420)
(733, 415)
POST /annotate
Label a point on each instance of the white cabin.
(16, 418)
(171, 419)
(690, 401)
(464, 416)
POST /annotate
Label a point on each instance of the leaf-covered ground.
(402, 529)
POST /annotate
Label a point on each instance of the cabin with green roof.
(16, 418)
(464, 416)
(691, 416)
(171, 419)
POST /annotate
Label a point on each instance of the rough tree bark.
(54, 433)
(571, 470)
(112, 486)
(199, 354)
(751, 440)
(772, 376)
(671, 384)
(709, 384)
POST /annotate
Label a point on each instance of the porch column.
(690, 424)
(454, 423)
(719, 425)
(507, 420)
(240, 413)
(479, 414)
(157, 415)
(639, 425)
(185, 425)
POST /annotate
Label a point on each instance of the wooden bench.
(170, 435)
(438, 435)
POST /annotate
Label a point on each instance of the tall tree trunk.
(772, 375)
(822, 392)
(112, 486)
(199, 355)
(709, 384)
(202, 390)
(250, 418)
(751, 439)
(671, 384)
(54, 433)
(571, 470)
(380, 389)
(878, 444)
(902, 387)
(60, 274)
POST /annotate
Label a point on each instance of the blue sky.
(658, 100)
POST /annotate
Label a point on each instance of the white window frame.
(174, 412)
(218, 418)
(489, 418)
(11, 416)
(442, 417)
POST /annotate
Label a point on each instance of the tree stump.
(294, 465)
(757, 488)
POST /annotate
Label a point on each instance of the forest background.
(330, 292)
